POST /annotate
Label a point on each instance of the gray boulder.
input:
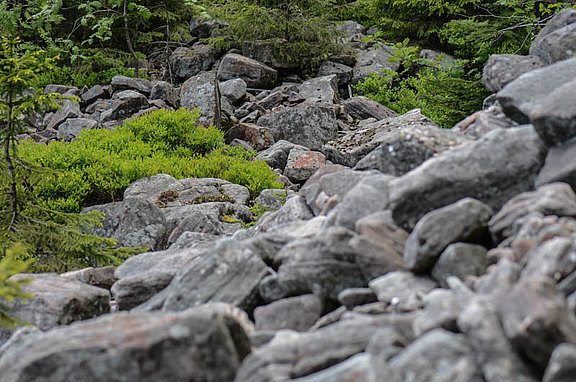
(60, 89)
(276, 155)
(554, 259)
(343, 72)
(374, 60)
(120, 83)
(476, 170)
(206, 344)
(302, 164)
(101, 277)
(70, 109)
(134, 222)
(293, 210)
(296, 313)
(254, 73)
(234, 90)
(402, 288)
(463, 221)
(484, 121)
(72, 127)
(441, 308)
(187, 62)
(501, 69)
(125, 104)
(460, 260)
(266, 52)
(320, 89)
(562, 364)
(230, 273)
(200, 92)
(556, 41)
(559, 166)
(258, 137)
(164, 91)
(363, 108)
(92, 94)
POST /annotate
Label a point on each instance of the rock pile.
(410, 253)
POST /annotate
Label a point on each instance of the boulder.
(276, 155)
(56, 301)
(342, 72)
(293, 210)
(164, 91)
(258, 137)
(520, 97)
(188, 62)
(295, 313)
(92, 94)
(302, 164)
(266, 52)
(561, 367)
(441, 308)
(353, 297)
(308, 125)
(402, 288)
(363, 108)
(60, 89)
(273, 199)
(70, 109)
(234, 90)
(141, 85)
(206, 344)
(460, 260)
(476, 170)
(501, 69)
(554, 259)
(72, 127)
(559, 166)
(200, 92)
(124, 104)
(134, 222)
(254, 73)
(374, 60)
(484, 121)
(320, 89)
(102, 277)
(556, 41)
(463, 221)
(230, 273)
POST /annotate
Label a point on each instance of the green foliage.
(303, 30)
(443, 93)
(11, 289)
(99, 165)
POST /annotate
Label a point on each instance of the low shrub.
(99, 165)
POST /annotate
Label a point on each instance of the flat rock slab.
(501, 69)
(120, 83)
(557, 40)
(254, 73)
(201, 92)
(363, 108)
(296, 313)
(494, 169)
(196, 345)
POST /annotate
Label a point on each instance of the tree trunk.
(8, 158)
(129, 40)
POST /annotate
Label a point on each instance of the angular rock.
(499, 362)
(277, 154)
(70, 109)
(437, 356)
(254, 73)
(60, 89)
(363, 108)
(354, 297)
(188, 62)
(120, 83)
(535, 319)
(206, 344)
(351, 28)
(234, 90)
(72, 127)
(556, 41)
(521, 96)
(296, 313)
(465, 220)
(554, 259)
(302, 164)
(460, 260)
(501, 69)
(295, 209)
(562, 366)
(56, 301)
(258, 137)
(266, 52)
(133, 222)
(484, 121)
(230, 273)
(343, 73)
(308, 125)
(559, 166)
(125, 104)
(200, 92)
(102, 277)
(401, 287)
(441, 309)
(393, 145)
(321, 89)
(374, 60)
(550, 199)
(164, 91)
(476, 170)
(93, 94)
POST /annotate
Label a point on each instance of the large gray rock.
(363, 108)
(133, 222)
(521, 96)
(550, 199)
(56, 301)
(142, 276)
(296, 313)
(501, 69)
(302, 164)
(554, 259)
(234, 90)
(200, 92)
(277, 154)
(343, 72)
(120, 83)
(254, 73)
(562, 366)
(70, 109)
(294, 210)
(536, 319)
(484, 121)
(495, 355)
(437, 356)
(206, 344)
(320, 89)
(266, 52)
(92, 94)
(460, 260)
(125, 104)
(394, 145)
(258, 137)
(463, 221)
(559, 166)
(556, 41)
(493, 169)
(441, 309)
(402, 288)
(164, 91)
(73, 127)
(187, 62)
(374, 60)
(230, 273)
